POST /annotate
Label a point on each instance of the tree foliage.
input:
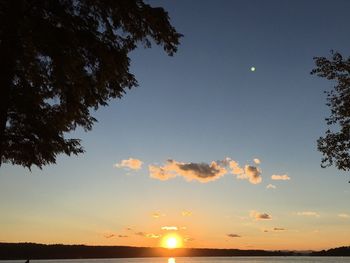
(335, 145)
(59, 60)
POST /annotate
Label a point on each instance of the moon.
(252, 69)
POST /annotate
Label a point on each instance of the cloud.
(147, 235)
(260, 216)
(271, 186)
(201, 172)
(123, 236)
(281, 177)
(160, 173)
(344, 216)
(188, 239)
(186, 213)
(279, 229)
(256, 161)
(157, 215)
(151, 235)
(252, 173)
(109, 235)
(234, 166)
(169, 228)
(132, 164)
(205, 172)
(308, 213)
(233, 235)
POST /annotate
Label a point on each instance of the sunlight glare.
(172, 241)
(171, 260)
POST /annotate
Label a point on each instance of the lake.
(197, 260)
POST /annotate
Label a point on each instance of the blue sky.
(202, 105)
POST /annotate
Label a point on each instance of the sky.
(206, 148)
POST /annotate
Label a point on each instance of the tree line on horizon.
(12, 251)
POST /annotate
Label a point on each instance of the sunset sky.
(206, 148)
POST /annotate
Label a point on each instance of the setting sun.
(172, 241)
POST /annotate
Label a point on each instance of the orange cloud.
(188, 239)
(169, 228)
(186, 213)
(151, 235)
(201, 172)
(157, 215)
(133, 164)
(235, 168)
(109, 235)
(252, 173)
(233, 235)
(205, 172)
(282, 177)
(147, 235)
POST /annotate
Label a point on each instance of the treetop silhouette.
(335, 145)
(62, 58)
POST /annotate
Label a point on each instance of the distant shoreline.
(15, 251)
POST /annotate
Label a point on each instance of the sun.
(172, 241)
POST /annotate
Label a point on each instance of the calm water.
(199, 260)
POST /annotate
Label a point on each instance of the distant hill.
(339, 251)
(40, 251)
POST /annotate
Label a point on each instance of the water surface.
(196, 260)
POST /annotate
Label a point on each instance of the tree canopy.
(62, 58)
(335, 145)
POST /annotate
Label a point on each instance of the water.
(197, 260)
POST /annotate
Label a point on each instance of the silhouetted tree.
(59, 60)
(335, 145)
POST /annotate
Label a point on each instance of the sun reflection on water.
(171, 260)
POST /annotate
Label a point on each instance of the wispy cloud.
(308, 213)
(123, 236)
(186, 213)
(271, 186)
(279, 229)
(151, 235)
(157, 215)
(344, 215)
(233, 235)
(281, 177)
(109, 235)
(131, 163)
(147, 235)
(169, 228)
(188, 239)
(260, 216)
